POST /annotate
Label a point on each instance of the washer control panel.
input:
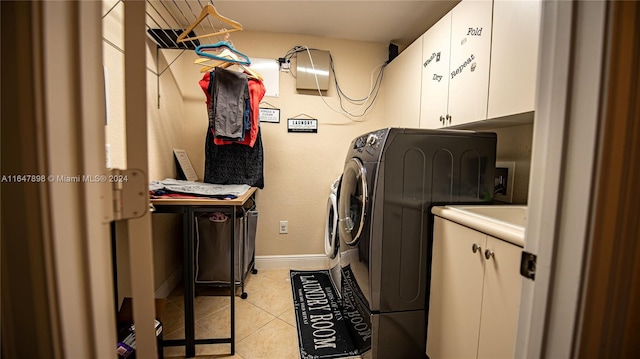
(372, 139)
(370, 142)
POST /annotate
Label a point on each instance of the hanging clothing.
(204, 85)
(234, 163)
(207, 86)
(256, 94)
(246, 117)
(228, 102)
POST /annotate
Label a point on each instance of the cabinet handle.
(475, 248)
(442, 119)
(488, 254)
(448, 118)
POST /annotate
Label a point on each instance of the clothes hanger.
(209, 10)
(225, 59)
(208, 67)
(250, 72)
(230, 54)
(225, 54)
(222, 63)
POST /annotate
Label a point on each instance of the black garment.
(234, 163)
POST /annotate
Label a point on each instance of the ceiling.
(399, 22)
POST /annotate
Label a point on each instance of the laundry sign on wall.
(297, 124)
(269, 115)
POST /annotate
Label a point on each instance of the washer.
(331, 240)
(391, 179)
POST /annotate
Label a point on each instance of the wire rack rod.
(167, 19)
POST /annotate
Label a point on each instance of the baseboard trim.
(169, 284)
(302, 261)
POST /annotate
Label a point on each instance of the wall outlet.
(284, 227)
(503, 182)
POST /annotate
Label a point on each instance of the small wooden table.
(188, 207)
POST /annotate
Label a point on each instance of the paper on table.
(185, 165)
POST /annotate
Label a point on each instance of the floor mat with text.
(322, 330)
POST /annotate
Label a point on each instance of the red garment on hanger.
(256, 93)
(204, 84)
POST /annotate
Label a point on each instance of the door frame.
(138, 230)
(561, 189)
(57, 282)
(612, 289)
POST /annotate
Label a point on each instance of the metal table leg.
(189, 284)
(188, 216)
(232, 279)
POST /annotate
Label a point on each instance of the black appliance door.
(331, 229)
(352, 202)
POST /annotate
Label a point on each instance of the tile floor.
(265, 321)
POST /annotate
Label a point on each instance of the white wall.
(515, 145)
(112, 31)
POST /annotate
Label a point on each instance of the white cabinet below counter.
(475, 293)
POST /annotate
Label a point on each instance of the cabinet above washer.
(456, 60)
(479, 62)
(514, 57)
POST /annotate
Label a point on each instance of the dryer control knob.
(372, 140)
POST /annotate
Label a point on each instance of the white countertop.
(505, 222)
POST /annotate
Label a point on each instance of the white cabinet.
(514, 57)
(500, 300)
(456, 59)
(436, 46)
(470, 61)
(456, 292)
(478, 62)
(473, 306)
(402, 87)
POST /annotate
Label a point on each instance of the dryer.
(391, 179)
(331, 241)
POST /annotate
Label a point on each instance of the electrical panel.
(308, 71)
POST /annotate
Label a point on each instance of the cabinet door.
(514, 57)
(470, 60)
(501, 300)
(456, 291)
(435, 68)
(402, 83)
